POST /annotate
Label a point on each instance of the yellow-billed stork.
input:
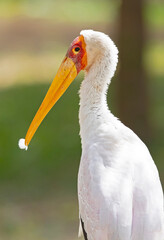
(119, 190)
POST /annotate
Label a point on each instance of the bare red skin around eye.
(80, 58)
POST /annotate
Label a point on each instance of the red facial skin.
(80, 57)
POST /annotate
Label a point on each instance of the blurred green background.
(38, 196)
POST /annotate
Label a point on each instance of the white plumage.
(119, 191)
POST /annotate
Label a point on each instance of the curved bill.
(65, 75)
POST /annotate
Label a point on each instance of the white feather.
(21, 144)
(119, 191)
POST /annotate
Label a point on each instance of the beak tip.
(21, 144)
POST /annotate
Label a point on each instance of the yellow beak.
(65, 75)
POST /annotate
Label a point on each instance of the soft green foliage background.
(38, 187)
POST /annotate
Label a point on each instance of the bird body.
(119, 190)
(120, 196)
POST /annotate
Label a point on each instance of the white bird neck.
(93, 104)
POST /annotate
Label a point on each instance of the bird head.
(81, 55)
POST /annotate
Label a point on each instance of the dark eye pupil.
(77, 49)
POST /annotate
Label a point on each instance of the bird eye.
(76, 50)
